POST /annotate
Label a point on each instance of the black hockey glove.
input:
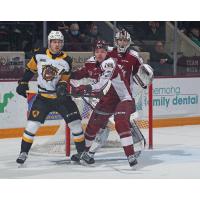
(61, 91)
(22, 88)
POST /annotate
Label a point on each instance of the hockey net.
(62, 143)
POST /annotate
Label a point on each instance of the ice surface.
(176, 154)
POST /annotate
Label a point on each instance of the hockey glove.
(82, 89)
(22, 88)
(61, 91)
(144, 76)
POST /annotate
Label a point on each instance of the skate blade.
(75, 162)
(82, 162)
(134, 168)
(23, 165)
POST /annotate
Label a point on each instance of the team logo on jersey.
(35, 113)
(49, 72)
(109, 65)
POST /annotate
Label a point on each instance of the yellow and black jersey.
(50, 69)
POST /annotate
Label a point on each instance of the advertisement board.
(12, 65)
(172, 98)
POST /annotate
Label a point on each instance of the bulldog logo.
(35, 113)
(49, 72)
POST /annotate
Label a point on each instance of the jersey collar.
(54, 56)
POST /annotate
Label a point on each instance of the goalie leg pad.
(137, 134)
(99, 141)
(102, 136)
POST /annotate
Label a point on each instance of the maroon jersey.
(108, 78)
(129, 62)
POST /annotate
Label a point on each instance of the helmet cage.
(122, 35)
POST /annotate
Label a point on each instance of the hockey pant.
(122, 112)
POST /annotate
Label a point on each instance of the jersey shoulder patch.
(108, 64)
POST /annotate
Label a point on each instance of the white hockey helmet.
(55, 35)
(122, 35)
(144, 76)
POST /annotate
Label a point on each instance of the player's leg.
(102, 135)
(71, 115)
(122, 126)
(37, 115)
(95, 124)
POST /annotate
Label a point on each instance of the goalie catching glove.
(144, 76)
(22, 88)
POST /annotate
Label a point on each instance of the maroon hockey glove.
(82, 89)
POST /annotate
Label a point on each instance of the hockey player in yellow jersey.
(53, 67)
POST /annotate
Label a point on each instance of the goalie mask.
(144, 76)
(122, 41)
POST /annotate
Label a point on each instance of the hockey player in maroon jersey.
(135, 72)
(128, 59)
(117, 100)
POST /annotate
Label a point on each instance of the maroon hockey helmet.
(101, 44)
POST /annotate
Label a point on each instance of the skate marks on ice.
(147, 159)
(109, 161)
(108, 165)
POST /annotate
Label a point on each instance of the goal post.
(150, 116)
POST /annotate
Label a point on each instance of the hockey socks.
(127, 144)
(79, 141)
(27, 141)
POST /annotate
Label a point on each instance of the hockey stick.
(95, 110)
(90, 95)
